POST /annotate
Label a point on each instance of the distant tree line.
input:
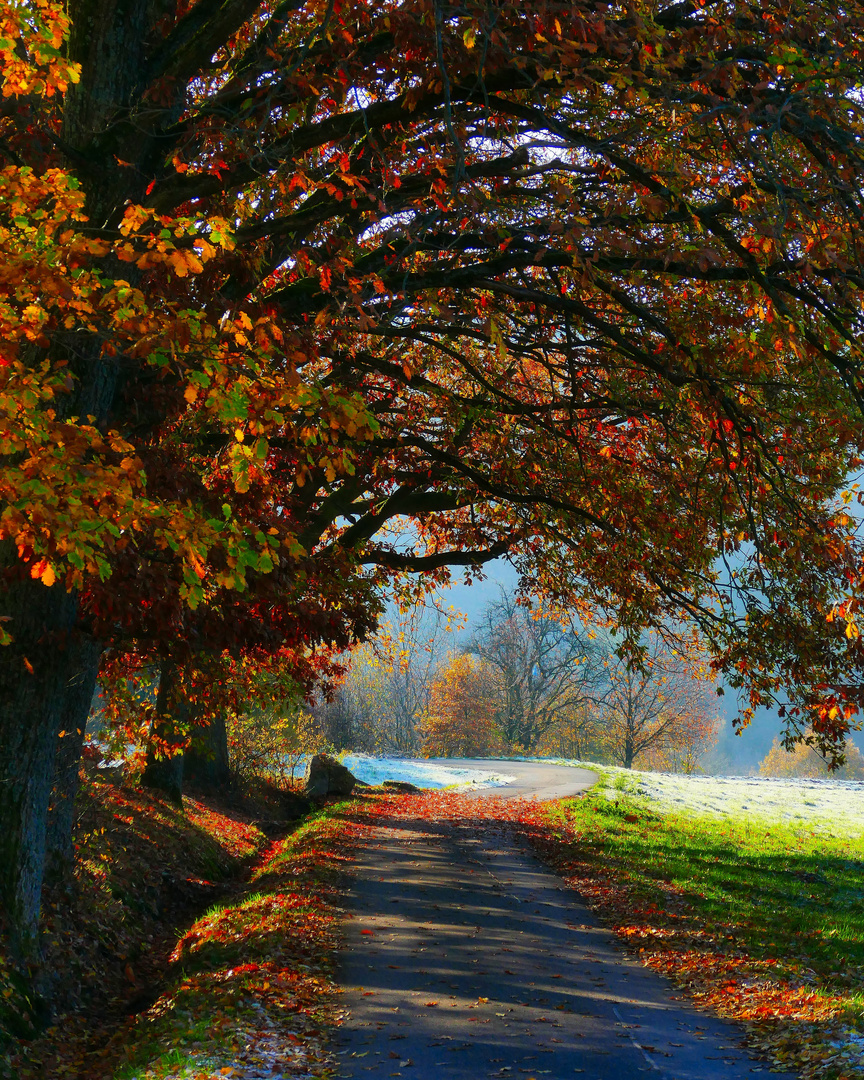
(803, 760)
(530, 682)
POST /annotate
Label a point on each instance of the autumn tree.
(378, 705)
(578, 283)
(272, 739)
(659, 713)
(547, 670)
(686, 749)
(576, 734)
(460, 720)
(802, 760)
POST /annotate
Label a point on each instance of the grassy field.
(758, 919)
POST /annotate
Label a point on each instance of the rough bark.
(35, 671)
(165, 774)
(207, 762)
(84, 658)
(42, 678)
(164, 769)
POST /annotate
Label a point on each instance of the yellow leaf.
(193, 262)
(48, 576)
(179, 263)
(191, 393)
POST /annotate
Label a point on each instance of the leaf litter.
(254, 997)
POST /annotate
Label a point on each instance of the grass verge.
(187, 941)
(143, 867)
(253, 976)
(759, 922)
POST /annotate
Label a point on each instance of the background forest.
(524, 681)
(515, 681)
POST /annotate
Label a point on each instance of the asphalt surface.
(467, 959)
(536, 779)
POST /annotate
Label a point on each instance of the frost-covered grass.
(831, 807)
(375, 770)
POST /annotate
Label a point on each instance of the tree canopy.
(575, 281)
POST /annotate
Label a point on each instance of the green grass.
(259, 963)
(788, 894)
(740, 901)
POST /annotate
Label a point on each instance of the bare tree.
(378, 707)
(547, 671)
(661, 711)
(577, 735)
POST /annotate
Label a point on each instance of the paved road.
(533, 778)
(467, 959)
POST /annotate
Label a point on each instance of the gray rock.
(326, 777)
(401, 786)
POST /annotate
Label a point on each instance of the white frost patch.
(835, 806)
(375, 770)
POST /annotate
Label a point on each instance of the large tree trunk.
(164, 768)
(206, 761)
(35, 671)
(85, 654)
(42, 678)
(40, 689)
(165, 774)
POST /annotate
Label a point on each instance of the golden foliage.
(803, 761)
(460, 721)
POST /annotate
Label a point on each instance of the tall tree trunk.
(38, 672)
(206, 761)
(164, 768)
(39, 689)
(85, 654)
(35, 671)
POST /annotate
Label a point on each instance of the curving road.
(534, 779)
(467, 959)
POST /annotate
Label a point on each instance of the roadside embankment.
(186, 938)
